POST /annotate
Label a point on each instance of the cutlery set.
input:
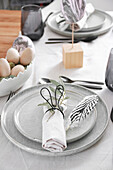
(89, 84)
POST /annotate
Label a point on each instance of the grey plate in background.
(94, 21)
(28, 117)
(11, 132)
(104, 28)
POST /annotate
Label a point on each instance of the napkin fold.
(63, 25)
(53, 131)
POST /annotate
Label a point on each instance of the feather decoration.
(73, 10)
(82, 110)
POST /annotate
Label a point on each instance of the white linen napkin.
(53, 135)
(63, 25)
(53, 131)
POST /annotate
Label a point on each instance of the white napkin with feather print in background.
(63, 25)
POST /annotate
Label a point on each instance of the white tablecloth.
(48, 63)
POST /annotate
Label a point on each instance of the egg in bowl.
(16, 68)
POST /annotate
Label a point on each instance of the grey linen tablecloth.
(48, 63)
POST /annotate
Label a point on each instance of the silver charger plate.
(28, 117)
(94, 21)
(11, 132)
(107, 24)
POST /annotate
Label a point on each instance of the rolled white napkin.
(53, 135)
(63, 25)
(53, 131)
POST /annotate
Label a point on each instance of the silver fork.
(11, 94)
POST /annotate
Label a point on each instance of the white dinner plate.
(108, 23)
(28, 117)
(94, 21)
(11, 132)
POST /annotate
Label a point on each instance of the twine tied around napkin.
(56, 105)
(53, 131)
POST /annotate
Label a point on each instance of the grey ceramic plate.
(94, 21)
(103, 28)
(28, 117)
(11, 132)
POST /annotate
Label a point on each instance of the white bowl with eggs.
(16, 68)
(13, 84)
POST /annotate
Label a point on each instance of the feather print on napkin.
(74, 11)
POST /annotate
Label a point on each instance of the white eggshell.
(4, 68)
(17, 69)
(24, 38)
(27, 56)
(30, 44)
(12, 55)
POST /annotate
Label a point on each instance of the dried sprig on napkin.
(82, 110)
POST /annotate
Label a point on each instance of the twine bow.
(54, 105)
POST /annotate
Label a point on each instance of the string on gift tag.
(53, 105)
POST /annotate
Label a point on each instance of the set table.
(48, 63)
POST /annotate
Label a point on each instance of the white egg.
(4, 68)
(27, 56)
(12, 55)
(17, 69)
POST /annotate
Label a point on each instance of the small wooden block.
(72, 57)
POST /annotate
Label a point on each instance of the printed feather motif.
(73, 10)
(82, 110)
